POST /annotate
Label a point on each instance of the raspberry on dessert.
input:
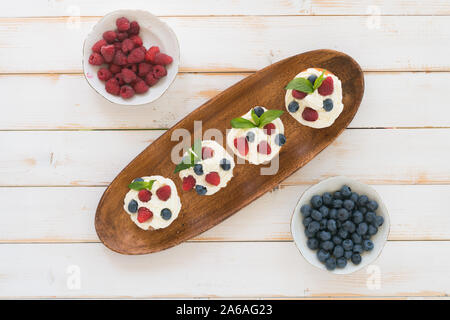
(96, 59)
(128, 75)
(114, 68)
(120, 58)
(126, 92)
(207, 153)
(104, 74)
(188, 183)
(163, 59)
(110, 36)
(327, 87)
(144, 214)
(127, 45)
(144, 68)
(136, 55)
(159, 71)
(140, 86)
(269, 128)
(310, 114)
(108, 52)
(98, 45)
(137, 41)
(241, 145)
(112, 86)
(122, 36)
(264, 148)
(134, 28)
(144, 195)
(164, 192)
(298, 94)
(151, 53)
(213, 178)
(123, 24)
(150, 79)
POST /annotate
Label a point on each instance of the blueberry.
(347, 244)
(280, 139)
(362, 228)
(363, 210)
(327, 199)
(366, 236)
(316, 201)
(225, 164)
(357, 248)
(316, 215)
(166, 214)
(356, 238)
(306, 210)
(322, 255)
(356, 258)
(337, 195)
(362, 200)
(378, 221)
(337, 203)
(343, 214)
(327, 245)
(324, 211)
(332, 214)
(293, 106)
(307, 221)
(138, 179)
(330, 263)
(354, 197)
(338, 251)
(323, 224)
(367, 245)
(250, 136)
(312, 78)
(201, 190)
(259, 111)
(198, 169)
(313, 243)
(313, 227)
(338, 224)
(341, 262)
(370, 216)
(358, 217)
(349, 226)
(372, 205)
(346, 191)
(336, 240)
(372, 230)
(348, 254)
(343, 234)
(133, 206)
(349, 204)
(328, 105)
(331, 225)
(309, 234)
(324, 235)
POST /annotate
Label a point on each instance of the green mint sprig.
(258, 122)
(193, 157)
(304, 85)
(140, 185)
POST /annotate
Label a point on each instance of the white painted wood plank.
(93, 158)
(35, 8)
(67, 102)
(212, 43)
(238, 269)
(66, 214)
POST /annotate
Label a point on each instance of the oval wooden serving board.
(199, 213)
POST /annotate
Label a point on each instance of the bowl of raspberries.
(131, 57)
(340, 225)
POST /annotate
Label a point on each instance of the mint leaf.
(300, 84)
(242, 123)
(183, 166)
(255, 117)
(269, 116)
(197, 150)
(319, 81)
(140, 185)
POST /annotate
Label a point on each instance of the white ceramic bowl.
(331, 185)
(153, 32)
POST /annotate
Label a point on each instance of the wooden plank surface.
(66, 214)
(67, 102)
(239, 269)
(261, 41)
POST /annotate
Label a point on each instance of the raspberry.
(310, 114)
(327, 87)
(123, 24)
(120, 58)
(144, 214)
(159, 71)
(114, 68)
(188, 183)
(207, 153)
(126, 92)
(264, 148)
(150, 79)
(104, 74)
(118, 45)
(241, 145)
(151, 53)
(112, 86)
(163, 193)
(136, 55)
(137, 41)
(163, 59)
(144, 195)
(213, 178)
(298, 94)
(96, 59)
(110, 36)
(119, 78)
(108, 52)
(134, 28)
(128, 75)
(122, 36)
(144, 68)
(140, 86)
(269, 128)
(98, 45)
(127, 45)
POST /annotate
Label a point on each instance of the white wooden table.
(61, 144)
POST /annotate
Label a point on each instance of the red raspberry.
(163, 59)
(151, 53)
(213, 178)
(114, 68)
(188, 183)
(108, 52)
(140, 86)
(241, 145)
(118, 45)
(127, 45)
(264, 148)
(134, 28)
(207, 153)
(112, 86)
(128, 75)
(123, 24)
(96, 59)
(119, 78)
(137, 41)
(104, 74)
(159, 71)
(126, 92)
(298, 94)
(144, 68)
(98, 45)
(136, 55)
(120, 58)
(144, 214)
(310, 114)
(150, 79)
(163, 193)
(144, 195)
(327, 87)
(132, 66)
(269, 128)
(122, 36)
(110, 36)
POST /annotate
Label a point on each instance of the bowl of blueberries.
(340, 225)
